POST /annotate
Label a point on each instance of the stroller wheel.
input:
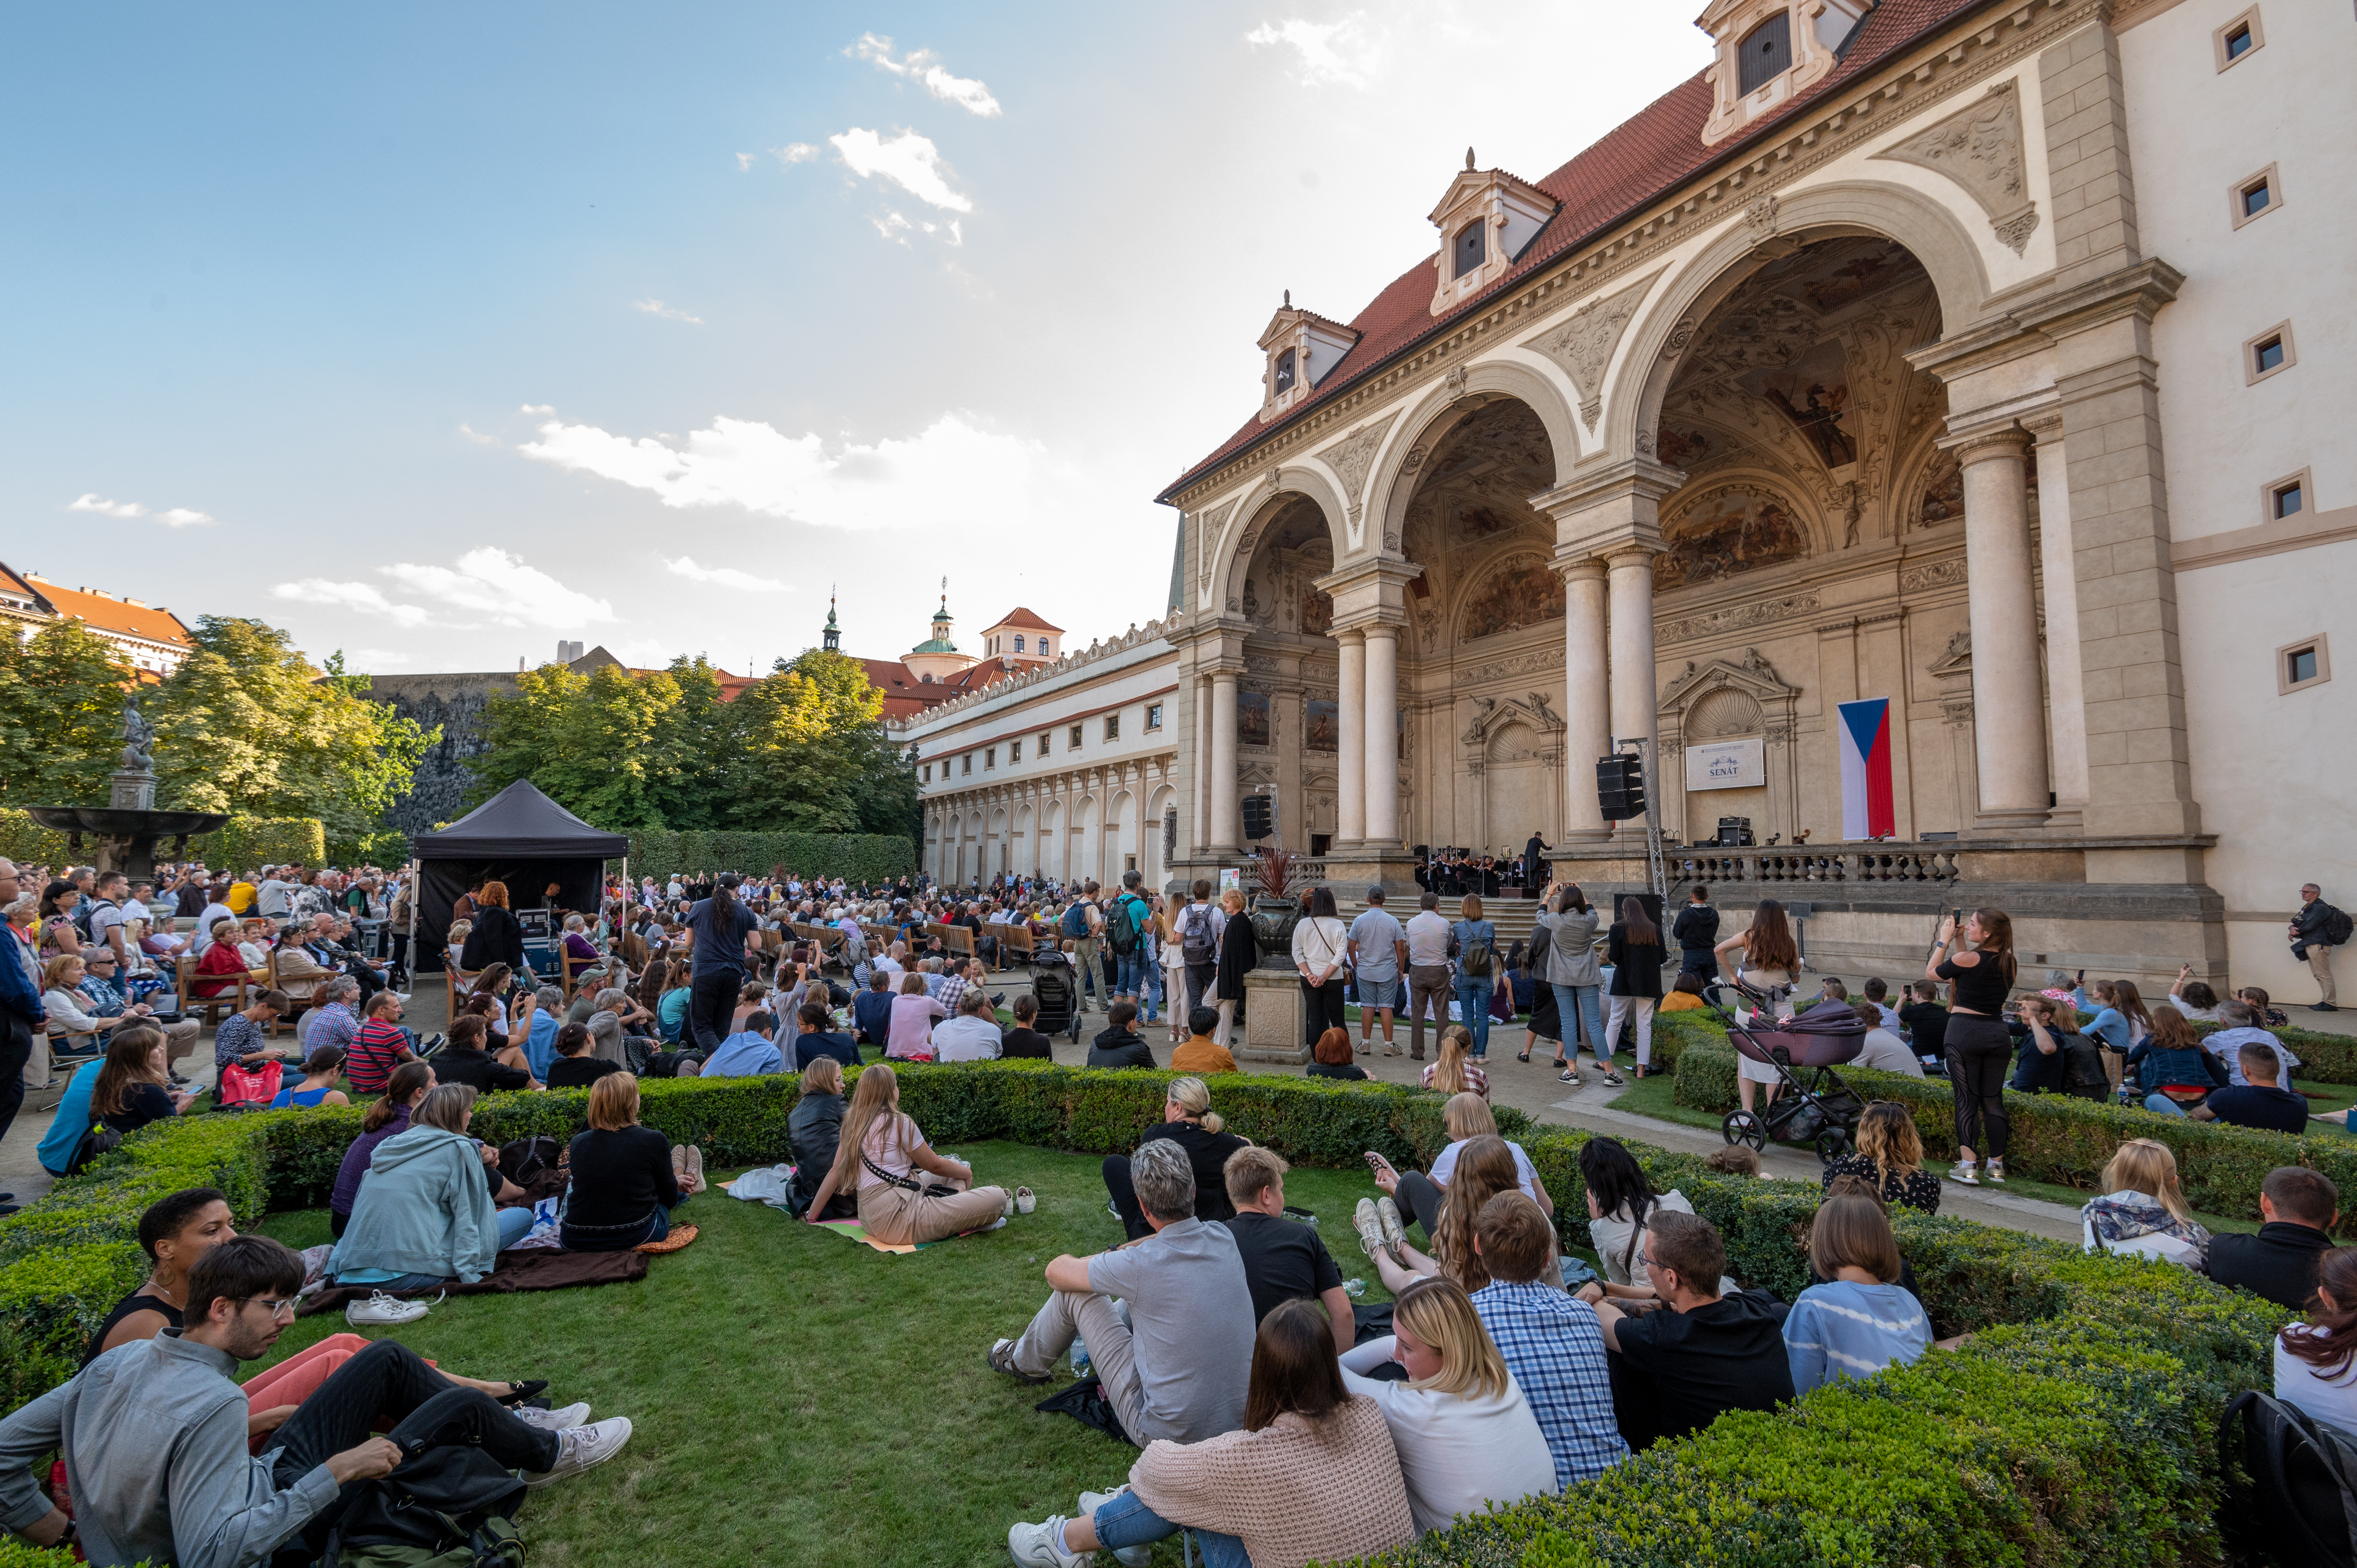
(1744, 1128)
(1832, 1143)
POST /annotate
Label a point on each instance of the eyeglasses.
(279, 1305)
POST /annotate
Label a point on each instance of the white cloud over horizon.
(908, 160)
(1346, 52)
(925, 66)
(485, 586)
(795, 152)
(170, 517)
(723, 576)
(919, 482)
(668, 312)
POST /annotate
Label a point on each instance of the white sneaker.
(381, 1311)
(1964, 1172)
(1043, 1546)
(564, 1420)
(583, 1447)
(1128, 1556)
(1996, 1169)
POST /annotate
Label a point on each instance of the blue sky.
(436, 333)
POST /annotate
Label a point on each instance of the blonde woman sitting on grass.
(2142, 1211)
(878, 1154)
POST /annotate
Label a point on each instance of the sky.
(437, 334)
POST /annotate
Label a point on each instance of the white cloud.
(170, 517)
(908, 160)
(538, 408)
(744, 162)
(1342, 53)
(723, 576)
(795, 152)
(486, 586)
(925, 66)
(668, 312)
(365, 597)
(477, 437)
(888, 484)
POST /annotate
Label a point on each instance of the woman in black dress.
(1239, 955)
(1633, 948)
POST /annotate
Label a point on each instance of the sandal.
(519, 1392)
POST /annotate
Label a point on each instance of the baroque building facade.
(1983, 359)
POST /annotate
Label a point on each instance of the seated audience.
(2262, 1102)
(1550, 1341)
(818, 1038)
(626, 1179)
(63, 1149)
(871, 1010)
(74, 1025)
(1119, 1045)
(670, 1007)
(243, 1039)
(462, 1059)
(1283, 1259)
(427, 1212)
(2052, 1047)
(380, 1046)
(1733, 1159)
(751, 997)
(1455, 1072)
(1333, 1058)
(174, 1232)
(748, 1053)
(539, 1017)
(130, 1090)
(877, 1155)
(813, 1133)
(2299, 1207)
(1620, 1201)
(1883, 1050)
(1188, 1121)
(2192, 999)
(1179, 1368)
(1311, 1475)
(1465, 1434)
(1860, 1319)
(156, 1437)
(1199, 1052)
(1685, 994)
(1890, 1155)
(2143, 1210)
(1485, 1169)
(2312, 1358)
(607, 1041)
(385, 1117)
(1878, 991)
(298, 972)
(914, 1011)
(321, 1069)
(221, 966)
(574, 1066)
(1464, 1118)
(2170, 1068)
(1023, 1042)
(971, 1036)
(2239, 1026)
(1700, 1352)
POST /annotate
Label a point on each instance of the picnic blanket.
(511, 1271)
(768, 1185)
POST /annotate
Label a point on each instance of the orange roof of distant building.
(905, 695)
(128, 617)
(1019, 616)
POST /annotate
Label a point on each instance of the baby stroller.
(1813, 1104)
(1051, 983)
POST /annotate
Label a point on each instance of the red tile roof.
(1019, 616)
(1627, 169)
(128, 617)
(905, 695)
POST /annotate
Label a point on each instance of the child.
(1875, 992)
(1835, 991)
(1685, 995)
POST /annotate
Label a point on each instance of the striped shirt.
(1849, 1330)
(373, 1054)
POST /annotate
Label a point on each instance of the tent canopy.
(520, 822)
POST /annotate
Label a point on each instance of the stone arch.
(1231, 552)
(997, 852)
(1049, 848)
(1936, 236)
(1026, 850)
(1081, 849)
(1152, 855)
(1486, 574)
(1440, 410)
(1124, 837)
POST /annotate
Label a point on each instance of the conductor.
(1534, 873)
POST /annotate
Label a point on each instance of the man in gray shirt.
(1378, 949)
(154, 1432)
(1179, 1368)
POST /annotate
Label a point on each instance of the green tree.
(587, 742)
(61, 715)
(247, 724)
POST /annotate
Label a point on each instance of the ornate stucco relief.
(1980, 148)
(1353, 457)
(1583, 346)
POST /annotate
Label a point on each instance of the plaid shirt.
(1555, 1350)
(953, 986)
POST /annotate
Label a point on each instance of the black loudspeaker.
(1260, 819)
(1621, 786)
(1735, 832)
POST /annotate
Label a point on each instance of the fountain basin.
(125, 838)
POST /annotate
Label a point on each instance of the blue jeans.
(1130, 972)
(1584, 1003)
(1152, 993)
(1473, 1002)
(1125, 1520)
(2165, 1106)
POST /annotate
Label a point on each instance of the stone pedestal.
(1274, 1020)
(133, 792)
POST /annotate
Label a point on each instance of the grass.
(802, 1399)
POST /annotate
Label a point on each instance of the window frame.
(1073, 739)
(1047, 741)
(2252, 374)
(1479, 230)
(1285, 371)
(2300, 479)
(2219, 36)
(1019, 642)
(1153, 716)
(990, 759)
(1113, 725)
(2285, 684)
(1014, 752)
(965, 765)
(2241, 188)
(1746, 88)
(928, 777)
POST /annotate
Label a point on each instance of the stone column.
(1199, 827)
(1350, 753)
(1225, 829)
(1586, 700)
(2008, 703)
(2058, 570)
(1634, 703)
(1382, 734)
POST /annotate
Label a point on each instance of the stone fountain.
(123, 833)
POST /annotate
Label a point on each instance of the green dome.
(935, 645)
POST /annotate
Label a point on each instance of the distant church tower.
(832, 640)
(938, 657)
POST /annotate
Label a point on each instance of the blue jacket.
(71, 1121)
(871, 1012)
(423, 1208)
(18, 990)
(744, 1054)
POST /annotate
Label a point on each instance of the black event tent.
(520, 837)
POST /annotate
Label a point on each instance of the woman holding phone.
(1980, 1048)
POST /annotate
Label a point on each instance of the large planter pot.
(1273, 920)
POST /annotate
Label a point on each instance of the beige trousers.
(897, 1217)
(2319, 964)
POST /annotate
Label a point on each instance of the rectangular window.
(2288, 499)
(2239, 40)
(1019, 642)
(2268, 356)
(1766, 53)
(1074, 744)
(989, 758)
(2270, 353)
(2298, 665)
(2255, 196)
(1014, 751)
(929, 773)
(1153, 715)
(966, 763)
(1112, 727)
(1044, 738)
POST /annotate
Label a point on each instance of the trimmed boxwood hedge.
(855, 857)
(2068, 1141)
(2075, 1428)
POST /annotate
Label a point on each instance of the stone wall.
(456, 702)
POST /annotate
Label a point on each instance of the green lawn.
(802, 1398)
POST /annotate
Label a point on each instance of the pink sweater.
(1298, 1491)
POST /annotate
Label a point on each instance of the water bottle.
(1080, 1356)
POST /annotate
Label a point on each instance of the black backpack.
(2338, 927)
(2299, 1506)
(2083, 1064)
(448, 1504)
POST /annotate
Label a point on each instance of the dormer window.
(1767, 51)
(1284, 363)
(1302, 349)
(1470, 250)
(1487, 219)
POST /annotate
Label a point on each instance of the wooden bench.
(1015, 938)
(213, 1009)
(297, 1004)
(957, 939)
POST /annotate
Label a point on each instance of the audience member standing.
(716, 962)
(1980, 1048)
(1378, 949)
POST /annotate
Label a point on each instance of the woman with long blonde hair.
(1453, 1072)
(2142, 1210)
(1465, 1434)
(877, 1155)
(1484, 1169)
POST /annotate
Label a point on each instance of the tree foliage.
(60, 714)
(801, 749)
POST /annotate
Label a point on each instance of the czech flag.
(1868, 810)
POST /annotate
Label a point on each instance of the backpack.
(2338, 927)
(2083, 1064)
(528, 1157)
(2300, 1504)
(1121, 932)
(1076, 920)
(1194, 935)
(451, 1506)
(1476, 960)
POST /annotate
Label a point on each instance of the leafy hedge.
(27, 843)
(2075, 1428)
(2323, 1058)
(2068, 1141)
(387, 847)
(249, 843)
(855, 857)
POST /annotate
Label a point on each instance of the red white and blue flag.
(1867, 807)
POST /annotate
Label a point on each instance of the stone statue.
(138, 737)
